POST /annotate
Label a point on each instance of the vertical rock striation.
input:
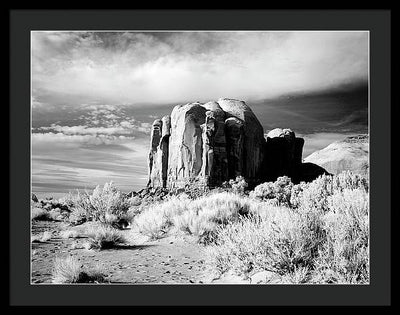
(185, 157)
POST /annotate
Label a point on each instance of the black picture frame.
(377, 22)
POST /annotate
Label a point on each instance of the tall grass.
(69, 270)
(104, 237)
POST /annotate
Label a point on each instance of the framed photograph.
(200, 157)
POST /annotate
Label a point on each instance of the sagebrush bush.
(155, 220)
(278, 191)
(237, 185)
(105, 204)
(346, 251)
(104, 237)
(108, 201)
(279, 241)
(195, 188)
(320, 236)
(69, 270)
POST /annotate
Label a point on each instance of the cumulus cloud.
(130, 67)
(54, 140)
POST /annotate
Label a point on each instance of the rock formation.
(159, 149)
(253, 136)
(218, 141)
(283, 153)
(352, 154)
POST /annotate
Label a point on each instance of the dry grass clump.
(156, 220)
(70, 270)
(104, 237)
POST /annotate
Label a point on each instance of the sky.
(95, 94)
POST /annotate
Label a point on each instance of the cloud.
(84, 130)
(62, 162)
(130, 67)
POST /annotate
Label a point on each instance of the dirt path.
(169, 260)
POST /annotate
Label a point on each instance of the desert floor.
(176, 259)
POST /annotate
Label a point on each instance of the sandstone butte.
(218, 141)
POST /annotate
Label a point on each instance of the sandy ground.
(172, 260)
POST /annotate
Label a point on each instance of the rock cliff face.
(218, 141)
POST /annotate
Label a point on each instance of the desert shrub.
(68, 200)
(81, 207)
(105, 204)
(56, 214)
(198, 224)
(198, 217)
(155, 220)
(320, 240)
(104, 237)
(70, 270)
(280, 241)
(78, 216)
(108, 201)
(134, 201)
(152, 223)
(308, 195)
(299, 275)
(317, 193)
(206, 213)
(195, 188)
(40, 214)
(237, 185)
(350, 180)
(278, 191)
(345, 255)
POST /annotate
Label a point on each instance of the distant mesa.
(220, 140)
(352, 154)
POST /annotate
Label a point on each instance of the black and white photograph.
(196, 157)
